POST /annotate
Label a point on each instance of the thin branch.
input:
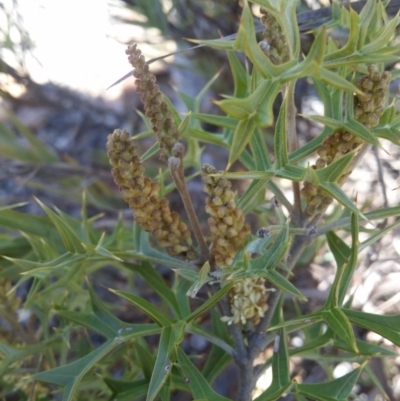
(297, 215)
(177, 170)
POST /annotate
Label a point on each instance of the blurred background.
(57, 59)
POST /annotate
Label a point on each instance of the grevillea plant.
(241, 268)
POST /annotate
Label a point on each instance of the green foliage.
(85, 351)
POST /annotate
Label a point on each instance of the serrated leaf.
(70, 375)
(284, 11)
(209, 303)
(335, 80)
(280, 137)
(351, 46)
(339, 323)
(280, 370)
(155, 281)
(149, 309)
(378, 235)
(127, 391)
(253, 196)
(351, 125)
(241, 137)
(341, 252)
(239, 75)
(346, 274)
(336, 192)
(71, 241)
(365, 348)
(383, 39)
(217, 358)
(246, 42)
(338, 389)
(171, 337)
(281, 282)
(334, 171)
(270, 259)
(197, 382)
(12, 354)
(290, 172)
(260, 151)
(218, 121)
(386, 326)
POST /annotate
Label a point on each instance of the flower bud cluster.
(150, 211)
(368, 109)
(156, 109)
(228, 228)
(248, 301)
(274, 45)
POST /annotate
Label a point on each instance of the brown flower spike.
(367, 110)
(229, 231)
(156, 109)
(228, 228)
(150, 211)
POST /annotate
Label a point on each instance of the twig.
(177, 171)
(297, 215)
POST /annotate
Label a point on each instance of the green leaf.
(281, 282)
(217, 358)
(386, 326)
(155, 281)
(127, 390)
(239, 75)
(270, 259)
(284, 11)
(35, 152)
(70, 375)
(71, 241)
(338, 390)
(260, 151)
(384, 38)
(219, 121)
(257, 105)
(339, 249)
(241, 137)
(334, 171)
(253, 196)
(11, 354)
(149, 309)
(351, 125)
(171, 337)
(336, 192)
(351, 46)
(378, 235)
(335, 80)
(280, 362)
(246, 42)
(203, 278)
(292, 173)
(209, 303)
(365, 348)
(200, 387)
(339, 323)
(280, 137)
(345, 274)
